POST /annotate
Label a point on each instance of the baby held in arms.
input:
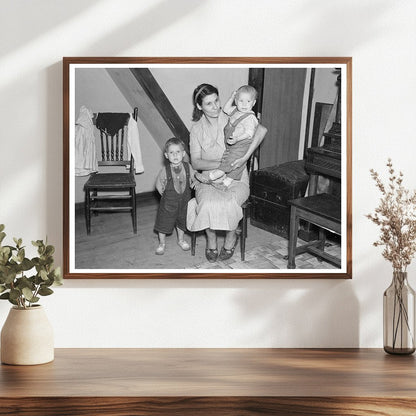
(238, 134)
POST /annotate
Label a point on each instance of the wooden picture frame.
(168, 84)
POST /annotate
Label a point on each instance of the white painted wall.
(179, 85)
(95, 89)
(325, 91)
(378, 34)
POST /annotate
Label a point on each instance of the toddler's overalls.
(173, 205)
(234, 151)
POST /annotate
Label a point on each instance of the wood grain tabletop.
(232, 381)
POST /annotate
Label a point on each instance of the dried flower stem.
(396, 216)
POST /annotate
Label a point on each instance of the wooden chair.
(241, 231)
(323, 210)
(252, 164)
(116, 191)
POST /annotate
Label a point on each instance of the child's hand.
(232, 97)
(231, 140)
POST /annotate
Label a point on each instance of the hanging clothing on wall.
(133, 145)
(85, 153)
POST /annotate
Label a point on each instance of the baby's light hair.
(249, 89)
(174, 141)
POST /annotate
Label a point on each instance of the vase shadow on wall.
(301, 314)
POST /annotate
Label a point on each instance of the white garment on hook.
(85, 153)
(133, 145)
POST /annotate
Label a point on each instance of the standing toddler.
(174, 184)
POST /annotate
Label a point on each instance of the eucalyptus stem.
(23, 280)
(35, 293)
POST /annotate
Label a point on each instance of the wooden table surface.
(212, 382)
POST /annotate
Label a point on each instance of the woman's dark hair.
(200, 92)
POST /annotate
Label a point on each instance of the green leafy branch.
(15, 285)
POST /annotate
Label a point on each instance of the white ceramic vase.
(27, 337)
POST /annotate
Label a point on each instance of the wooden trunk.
(271, 189)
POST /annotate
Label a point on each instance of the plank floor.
(113, 245)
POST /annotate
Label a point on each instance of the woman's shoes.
(226, 253)
(211, 254)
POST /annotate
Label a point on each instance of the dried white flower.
(396, 216)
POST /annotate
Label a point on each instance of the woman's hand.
(202, 164)
(238, 162)
(220, 179)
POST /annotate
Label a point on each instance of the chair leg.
(243, 247)
(293, 236)
(87, 211)
(193, 243)
(133, 211)
(243, 236)
(322, 240)
(94, 202)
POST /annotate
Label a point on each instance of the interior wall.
(95, 89)
(325, 91)
(378, 34)
(179, 84)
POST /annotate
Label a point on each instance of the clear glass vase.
(399, 316)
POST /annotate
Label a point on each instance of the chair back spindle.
(103, 188)
(113, 150)
(121, 146)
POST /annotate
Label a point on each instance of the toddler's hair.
(249, 89)
(176, 141)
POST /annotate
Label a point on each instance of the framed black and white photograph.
(207, 167)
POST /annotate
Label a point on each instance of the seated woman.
(216, 209)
